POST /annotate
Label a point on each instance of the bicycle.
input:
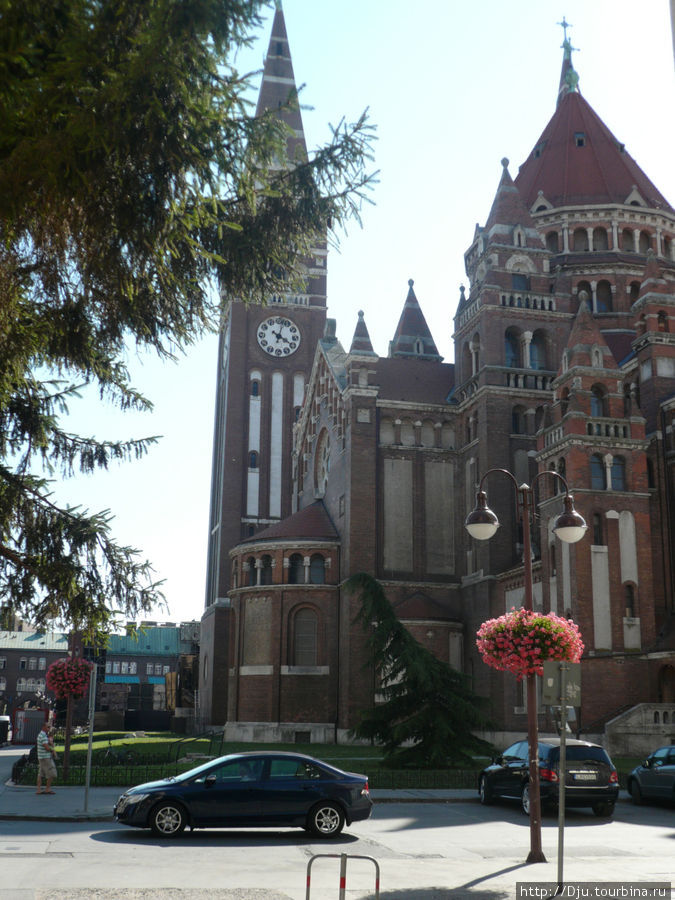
(116, 756)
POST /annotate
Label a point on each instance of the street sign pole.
(92, 708)
(562, 686)
(562, 774)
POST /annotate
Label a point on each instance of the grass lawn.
(124, 758)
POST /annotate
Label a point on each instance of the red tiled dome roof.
(577, 161)
(309, 524)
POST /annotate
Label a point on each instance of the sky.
(452, 87)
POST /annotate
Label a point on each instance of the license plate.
(584, 776)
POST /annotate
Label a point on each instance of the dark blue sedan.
(250, 789)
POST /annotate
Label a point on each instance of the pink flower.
(69, 677)
(521, 640)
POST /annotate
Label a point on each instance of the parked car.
(591, 779)
(654, 779)
(250, 789)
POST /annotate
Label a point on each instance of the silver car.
(654, 779)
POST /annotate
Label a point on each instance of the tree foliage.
(428, 712)
(133, 178)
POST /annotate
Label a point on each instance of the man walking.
(46, 765)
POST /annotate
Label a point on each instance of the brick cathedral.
(330, 461)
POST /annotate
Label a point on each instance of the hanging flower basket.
(69, 677)
(521, 641)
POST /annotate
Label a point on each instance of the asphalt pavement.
(96, 803)
(478, 875)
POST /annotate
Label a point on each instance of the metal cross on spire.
(564, 25)
(567, 43)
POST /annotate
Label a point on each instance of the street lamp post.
(570, 527)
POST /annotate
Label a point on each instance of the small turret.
(412, 337)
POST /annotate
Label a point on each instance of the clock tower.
(265, 357)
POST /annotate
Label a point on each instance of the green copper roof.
(34, 641)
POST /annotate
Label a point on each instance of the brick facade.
(564, 361)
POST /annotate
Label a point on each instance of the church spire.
(278, 90)
(569, 78)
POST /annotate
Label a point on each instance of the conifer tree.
(136, 189)
(428, 712)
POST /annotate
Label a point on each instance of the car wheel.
(484, 790)
(604, 809)
(525, 799)
(635, 793)
(325, 820)
(168, 819)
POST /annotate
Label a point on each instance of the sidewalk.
(71, 804)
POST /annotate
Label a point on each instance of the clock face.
(278, 336)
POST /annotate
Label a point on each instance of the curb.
(83, 817)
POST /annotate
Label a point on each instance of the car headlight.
(136, 798)
(129, 800)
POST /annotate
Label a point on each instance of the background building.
(564, 359)
(145, 679)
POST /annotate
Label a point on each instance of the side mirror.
(498, 760)
(210, 780)
(647, 764)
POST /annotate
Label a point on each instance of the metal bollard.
(343, 857)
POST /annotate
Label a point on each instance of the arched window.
(317, 569)
(518, 420)
(296, 569)
(603, 297)
(255, 388)
(511, 350)
(627, 241)
(634, 291)
(266, 570)
(597, 473)
(667, 245)
(645, 242)
(474, 347)
(305, 638)
(598, 402)
(584, 292)
(662, 321)
(598, 536)
(251, 574)
(564, 401)
(650, 474)
(552, 242)
(600, 242)
(629, 594)
(580, 240)
(253, 460)
(538, 351)
(561, 470)
(618, 473)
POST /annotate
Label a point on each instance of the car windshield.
(200, 770)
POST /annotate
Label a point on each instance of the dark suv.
(591, 779)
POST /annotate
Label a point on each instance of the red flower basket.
(69, 677)
(521, 641)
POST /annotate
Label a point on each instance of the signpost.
(562, 687)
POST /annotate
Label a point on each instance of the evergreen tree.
(135, 188)
(427, 705)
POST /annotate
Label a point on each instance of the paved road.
(426, 851)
